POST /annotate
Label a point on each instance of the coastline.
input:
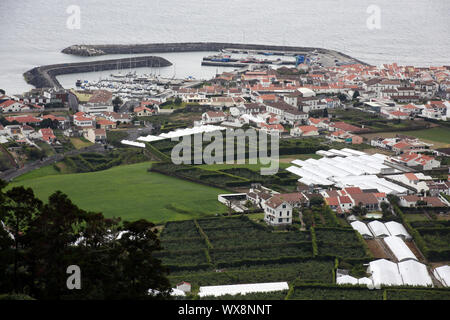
(45, 76)
(96, 50)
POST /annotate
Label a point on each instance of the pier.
(85, 50)
(45, 76)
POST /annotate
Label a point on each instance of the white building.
(242, 289)
(378, 229)
(278, 212)
(397, 229)
(414, 274)
(362, 229)
(443, 275)
(95, 108)
(399, 248)
(213, 117)
(384, 273)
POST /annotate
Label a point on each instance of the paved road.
(11, 174)
(135, 133)
(8, 175)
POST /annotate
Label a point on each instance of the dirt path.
(377, 250)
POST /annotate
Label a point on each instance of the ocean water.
(33, 32)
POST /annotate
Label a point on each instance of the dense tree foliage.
(38, 241)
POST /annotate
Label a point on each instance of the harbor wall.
(83, 50)
(45, 76)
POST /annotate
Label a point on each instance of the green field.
(129, 192)
(38, 173)
(438, 134)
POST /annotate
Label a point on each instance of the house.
(47, 135)
(213, 117)
(398, 115)
(95, 109)
(143, 111)
(95, 135)
(423, 161)
(321, 123)
(305, 131)
(82, 120)
(252, 108)
(367, 200)
(413, 201)
(275, 129)
(117, 117)
(267, 98)
(184, 286)
(25, 119)
(10, 106)
(287, 112)
(106, 124)
(342, 126)
(278, 212)
(294, 116)
(63, 122)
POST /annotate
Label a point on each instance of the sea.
(33, 32)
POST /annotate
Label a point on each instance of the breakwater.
(85, 50)
(45, 76)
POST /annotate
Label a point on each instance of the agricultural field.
(241, 250)
(435, 238)
(129, 192)
(231, 177)
(322, 292)
(343, 243)
(236, 250)
(80, 143)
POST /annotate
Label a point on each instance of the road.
(8, 175)
(11, 174)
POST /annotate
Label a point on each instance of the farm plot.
(328, 292)
(308, 271)
(276, 295)
(421, 294)
(179, 230)
(435, 238)
(262, 252)
(182, 258)
(340, 242)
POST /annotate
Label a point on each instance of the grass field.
(129, 192)
(439, 136)
(79, 143)
(38, 173)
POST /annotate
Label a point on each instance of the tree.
(355, 95)
(393, 199)
(2, 91)
(117, 103)
(177, 101)
(316, 201)
(39, 241)
(384, 207)
(342, 97)
(359, 210)
(49, 123)
(18, 210)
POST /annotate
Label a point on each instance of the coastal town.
(363, 193)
